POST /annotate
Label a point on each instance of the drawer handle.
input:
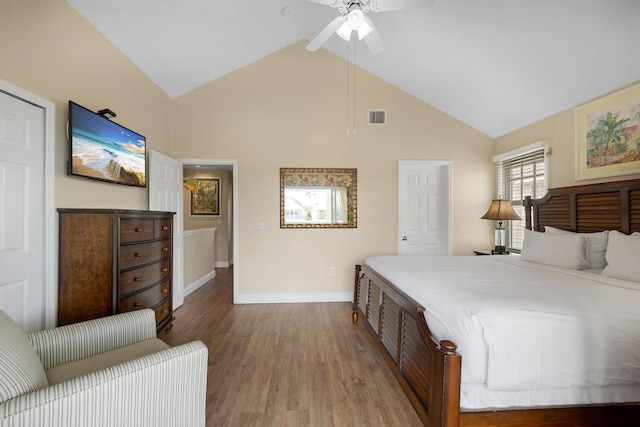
(165, 290)
(138, 254)
(139, 229)
(164, 270)
(165, 311)
(165, 249)
(165, 228)
(137, 304)
(137, 279)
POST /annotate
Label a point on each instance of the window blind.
(517, 177)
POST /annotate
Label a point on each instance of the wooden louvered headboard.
(587, 208)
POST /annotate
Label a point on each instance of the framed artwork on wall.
(205, 197)
(608, 136)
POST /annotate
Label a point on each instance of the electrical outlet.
(332, 271)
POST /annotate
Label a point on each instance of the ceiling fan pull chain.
(354, 88)
(347, 109)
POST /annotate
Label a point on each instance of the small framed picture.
(205, 199)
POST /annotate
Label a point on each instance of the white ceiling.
(496, 65)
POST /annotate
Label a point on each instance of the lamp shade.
(190, 184)
(501, 210)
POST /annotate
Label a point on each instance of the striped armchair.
(112, 371)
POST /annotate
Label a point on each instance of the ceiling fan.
(353, 18)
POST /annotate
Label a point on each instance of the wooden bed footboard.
(429, 373)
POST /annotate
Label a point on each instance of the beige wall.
(288, 110)
(47, 48)
(559, 131)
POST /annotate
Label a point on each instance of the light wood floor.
(288, 364)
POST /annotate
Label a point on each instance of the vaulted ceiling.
(496, 65)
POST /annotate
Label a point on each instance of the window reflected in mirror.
(318, 198)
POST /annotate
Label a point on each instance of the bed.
(415, 331)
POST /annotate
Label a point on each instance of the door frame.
(445, 188)
(234, 166)
(49, 239)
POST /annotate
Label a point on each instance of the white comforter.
(529, 334)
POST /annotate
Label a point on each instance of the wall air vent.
(377, 117)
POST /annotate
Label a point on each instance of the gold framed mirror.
(318, 198)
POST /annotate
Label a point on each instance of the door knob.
(404, 237)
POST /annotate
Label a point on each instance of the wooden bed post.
(354, 313)
(451, 388)
(527, 212)
(444, 386)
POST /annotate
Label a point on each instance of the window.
(315, 205)
(520, 173)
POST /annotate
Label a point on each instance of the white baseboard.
(201, 281)
(293, 298)
(221, 264)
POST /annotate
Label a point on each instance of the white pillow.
(596, 245)
(623, 256)
(561, 250)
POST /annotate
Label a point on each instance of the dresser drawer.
(136, 230)
(162, 228)
(146, 299)
(143, 253)
(162, 311)
(140, 278)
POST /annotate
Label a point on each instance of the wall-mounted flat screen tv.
(102, 149)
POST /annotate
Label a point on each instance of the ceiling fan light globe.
(344, 31)
(364, 30)
(355, 18)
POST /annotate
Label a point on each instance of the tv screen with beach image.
(104, 150)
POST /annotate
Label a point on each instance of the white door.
(22, 212)
(424, 219)
(165, 194)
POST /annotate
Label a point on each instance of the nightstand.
(489, 252)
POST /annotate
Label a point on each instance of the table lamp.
(500, 210)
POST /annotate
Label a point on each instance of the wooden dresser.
(113, 261)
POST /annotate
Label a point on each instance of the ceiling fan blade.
(373, 40)
(332, 3)
(325, 34)
(386, 5)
